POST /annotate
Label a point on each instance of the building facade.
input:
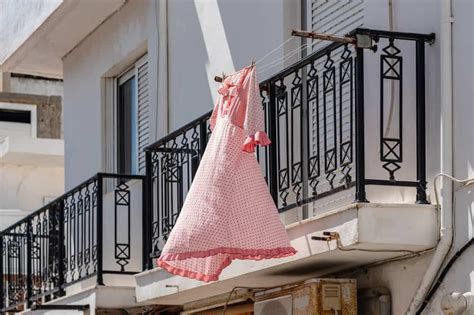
(31, 145)
(360, 133)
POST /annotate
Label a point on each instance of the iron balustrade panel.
(63, 242)
(122, 210)
(15, 281)
(314, 115)
(311, 112)
(399, 138)
(175, 161)
(314, 126)
(45, 251)
(80, 232)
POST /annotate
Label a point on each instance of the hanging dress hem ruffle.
(233, 253)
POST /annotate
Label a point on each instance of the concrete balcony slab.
(368, 233)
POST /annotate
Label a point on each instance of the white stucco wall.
(403, 277)
(19, 19)
(109, 50)
(205, 38)
(25, 186)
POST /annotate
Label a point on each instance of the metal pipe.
(420, 123)
(322, 36)
(100, 227)
(360, 195)
(446, 148)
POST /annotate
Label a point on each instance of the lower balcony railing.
(85, 233)
(321, 138)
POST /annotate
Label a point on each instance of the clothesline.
(294, 34)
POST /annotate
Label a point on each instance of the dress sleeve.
(254, 123)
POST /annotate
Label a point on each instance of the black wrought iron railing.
(315, 114)
(84, 233)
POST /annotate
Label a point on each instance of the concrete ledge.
(369, 233)
(32, 151)
(107, 297)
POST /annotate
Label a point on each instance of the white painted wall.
(109, 50)
(36, 86)
(25, 186)
(403, 277)
(19, 19)
(207, 38)
(200, 32)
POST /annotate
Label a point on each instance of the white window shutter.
(143, 105)
(334, 17)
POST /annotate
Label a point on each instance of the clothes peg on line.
(219, 79)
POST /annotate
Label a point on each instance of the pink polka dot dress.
(228, 213)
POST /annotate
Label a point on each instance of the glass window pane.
(127, 127)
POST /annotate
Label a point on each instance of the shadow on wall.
(207, 38)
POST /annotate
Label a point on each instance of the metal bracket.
(364, 41)
(327, 236)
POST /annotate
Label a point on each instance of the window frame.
(122, 77)
(27, 108)
(119, 150)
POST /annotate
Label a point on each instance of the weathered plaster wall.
(35, 86)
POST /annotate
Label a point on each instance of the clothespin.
(219, 79)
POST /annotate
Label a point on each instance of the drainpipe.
(446, 204)
(162, 92)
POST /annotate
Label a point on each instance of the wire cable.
(275, 49)
(278, 61)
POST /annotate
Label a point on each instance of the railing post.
(2, 275)
(99, 227)
(61, 253)
(360, 195)
(202, 137)
(272, 149)
(147, 210)
(28, 261)
(420, 123)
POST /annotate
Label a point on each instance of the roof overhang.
(42, 52)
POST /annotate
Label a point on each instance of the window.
(18, 119)
(16, 116)
(132, 119)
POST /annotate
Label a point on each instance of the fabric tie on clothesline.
(228, 91)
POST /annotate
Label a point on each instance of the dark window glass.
(18, 116)
(127, 127)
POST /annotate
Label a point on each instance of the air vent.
(331, 297)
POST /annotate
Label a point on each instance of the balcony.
(347, 126)
(80, 240)
(334, 149)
